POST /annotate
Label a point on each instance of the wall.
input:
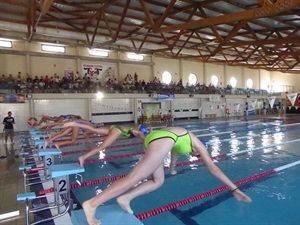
(170, 65)
(189, 67)
(119, 107)
(217, 70)
(49, 66)
(286, 79)
(12, 64)
(234, 71)
(144, 72)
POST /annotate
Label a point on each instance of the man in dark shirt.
(9, 122)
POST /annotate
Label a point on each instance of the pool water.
(276, 198)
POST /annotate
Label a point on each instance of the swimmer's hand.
(70, 124)
(173, 172)
(241, 196)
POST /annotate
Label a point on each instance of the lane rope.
(114, 146)
(173, 205)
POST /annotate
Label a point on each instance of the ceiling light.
(98, 52)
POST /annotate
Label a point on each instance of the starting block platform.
(109, 215)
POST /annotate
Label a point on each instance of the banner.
(165, 97)
(98, 73)
(271, 101)
(12, 98)
(222, 106)
(253, 103)
(237, 107)
(292, 97)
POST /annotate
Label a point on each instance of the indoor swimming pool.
(258, 154)
(241, 149)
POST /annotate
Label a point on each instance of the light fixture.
(98, 52)
(53, 48)
(134, 56)
(99, 95)
(5, 44)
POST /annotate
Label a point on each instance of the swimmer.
(112, 133)
(74, 131)
(50, 121)
(158, 144)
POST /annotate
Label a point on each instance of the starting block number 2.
(62, 184)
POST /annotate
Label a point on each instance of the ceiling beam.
(45, 6)
(291, 40)
(264, 11)
(31, 12)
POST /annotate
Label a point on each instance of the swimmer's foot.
(57, 146)
(46, 144)
(124, 203)
(81, 161)
(90, 214)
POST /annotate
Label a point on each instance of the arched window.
(277, 86)
(192, 79)
(166, 77)
(233, 82)
(214, 80)
(249, 83)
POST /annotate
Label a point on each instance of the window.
(98, 52)
(277, 87)
(249, 83)
(166, 77)
(53, 48)
(5, 44)
(233, 82)
(192, 79)
(214, 80)
(134, 56)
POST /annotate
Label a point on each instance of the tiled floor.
(11, 182)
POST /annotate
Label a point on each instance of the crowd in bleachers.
(131, 84)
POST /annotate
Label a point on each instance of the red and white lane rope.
(114, 146)
(194, 198)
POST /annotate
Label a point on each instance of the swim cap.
(144, 129)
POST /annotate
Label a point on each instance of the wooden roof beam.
(45, 6)
(31, 13)
(264, 11)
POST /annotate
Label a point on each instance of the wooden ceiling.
(261, 34)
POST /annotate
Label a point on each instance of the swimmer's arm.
(150, 129)
(138, 134)
(214, 170)
(173, 161)
(50, 124)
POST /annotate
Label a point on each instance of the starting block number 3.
(48, 161)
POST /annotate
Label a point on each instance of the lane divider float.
(174, 205)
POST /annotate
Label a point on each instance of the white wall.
(217, 70)
(115, 107)
(170, 65)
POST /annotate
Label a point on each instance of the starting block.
(109, 215)
(39, 136)
(48, 155)
(62, 202)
